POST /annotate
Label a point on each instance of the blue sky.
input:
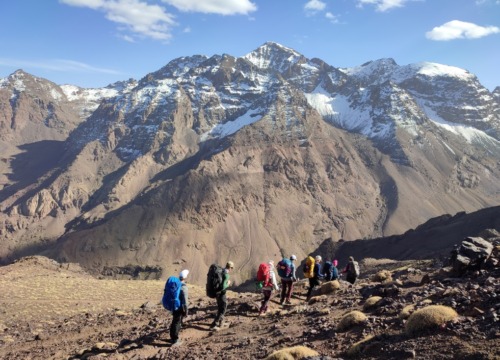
(92, 43)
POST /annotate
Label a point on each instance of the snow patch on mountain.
(337, 110)
(469, 133)
(273, 55)
(230, 127)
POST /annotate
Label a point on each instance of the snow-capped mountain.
(269, 152)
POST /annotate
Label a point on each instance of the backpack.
(328, 270)
(353, 270)
(171, 300)
(284, 268)
(215, 280)
(264, 273)
(309, 267)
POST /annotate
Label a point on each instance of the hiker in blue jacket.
(315, 280)
(181, 312)
(287, 283)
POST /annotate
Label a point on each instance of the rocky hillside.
(396, 310)
(211, 158)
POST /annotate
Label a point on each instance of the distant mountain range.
(210, 159)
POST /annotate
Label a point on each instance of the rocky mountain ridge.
(214, 158)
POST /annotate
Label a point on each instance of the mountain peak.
(273, 55)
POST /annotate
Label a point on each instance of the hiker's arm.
(273, 278)
(294, 277)
(317, 270)
(226, 282)
(184, 299)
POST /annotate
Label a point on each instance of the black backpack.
(215, 280)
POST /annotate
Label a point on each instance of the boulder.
(470, 256)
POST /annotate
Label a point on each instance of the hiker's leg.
(175, 327)
(311, 287)
(283, 290)
(289, 290)
(222, 304)
(267, 297)
(219, 311)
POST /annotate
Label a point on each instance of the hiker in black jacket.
(352, 270)
(221, 297)
(315, 280)
(181, 312)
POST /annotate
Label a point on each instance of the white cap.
(293, 257)
(271, 262)
(318, 258)
(183, 274)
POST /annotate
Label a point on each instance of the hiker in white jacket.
(268, 288)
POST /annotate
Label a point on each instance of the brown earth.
(57, 311)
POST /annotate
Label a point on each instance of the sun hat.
(184, 274)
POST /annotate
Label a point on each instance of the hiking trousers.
(313, 282)
(221, 308)
(286, 289)
(176, 325)
(350, 278)
(267, 296)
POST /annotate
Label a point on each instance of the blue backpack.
(171, 300)
(328, 270)
(285, 268)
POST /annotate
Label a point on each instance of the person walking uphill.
(286, 271)
(220, 294)
(352, 270)
(175, 299)
(270, 284)
(315, 279)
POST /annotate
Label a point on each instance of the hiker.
(351, 270)
(286, 271)
(221, 296)
(330, 270)
(270, 284)
(317, 276)
(175, 299)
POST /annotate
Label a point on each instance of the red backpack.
(263, 274)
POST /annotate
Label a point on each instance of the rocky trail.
(57, 311)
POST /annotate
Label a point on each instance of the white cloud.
(222, 7)
(383, 5)
(61, 65)
(481, 2)
(314, 6)
(333, 18)
(137, 16)
(457, 29)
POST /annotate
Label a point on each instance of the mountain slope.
(214, 158)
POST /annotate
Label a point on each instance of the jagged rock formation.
(214, 158)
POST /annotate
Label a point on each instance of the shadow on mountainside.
(178, 169)
(431, 240)
(35, 160)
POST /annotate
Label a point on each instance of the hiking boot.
(213, 326)
(288, 302)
